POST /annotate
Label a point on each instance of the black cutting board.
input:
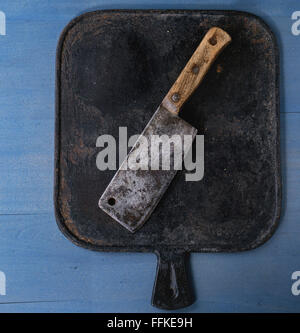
(113, 70)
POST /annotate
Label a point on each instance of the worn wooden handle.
(189, 79)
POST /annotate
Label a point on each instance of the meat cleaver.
(146, 173)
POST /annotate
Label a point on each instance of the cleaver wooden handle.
(193, 73)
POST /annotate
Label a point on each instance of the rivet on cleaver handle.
(133, 193)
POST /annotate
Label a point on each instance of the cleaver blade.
(137, 186)
(132, 195)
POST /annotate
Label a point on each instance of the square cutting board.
(113, 70)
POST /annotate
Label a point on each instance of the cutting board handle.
(171, 289)
(193, 73)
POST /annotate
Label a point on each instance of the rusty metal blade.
(132, 195)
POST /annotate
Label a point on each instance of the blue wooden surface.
(47, 273)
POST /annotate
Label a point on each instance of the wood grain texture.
(214, 41)
(47, 273)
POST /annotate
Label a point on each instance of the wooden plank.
(45, 271)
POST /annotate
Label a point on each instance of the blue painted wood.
(47, 273)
